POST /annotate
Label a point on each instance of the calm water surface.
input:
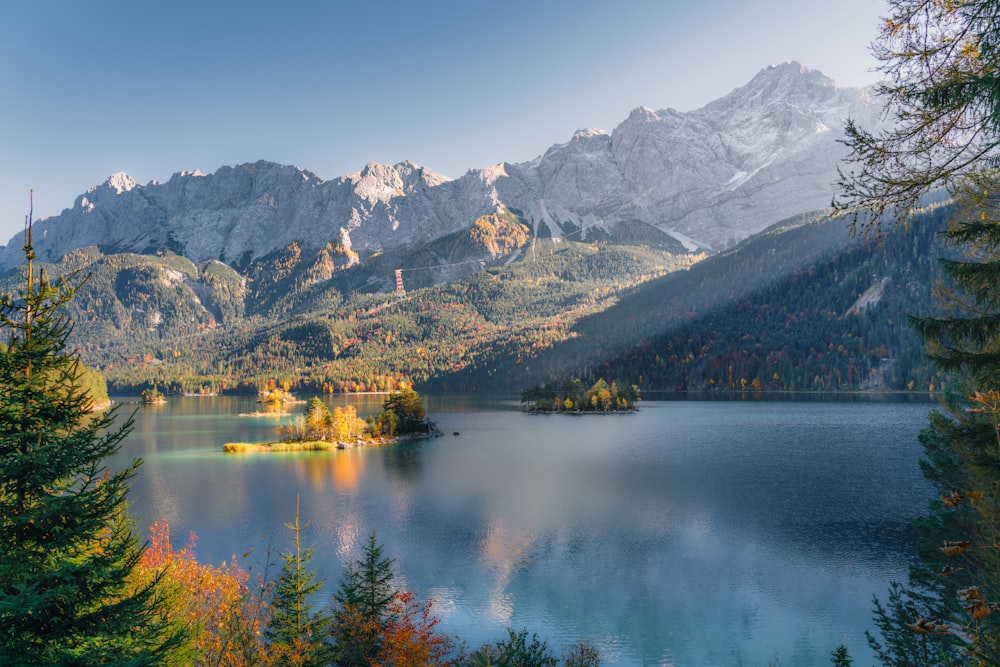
(690, 534)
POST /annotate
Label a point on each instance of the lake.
(691, 533)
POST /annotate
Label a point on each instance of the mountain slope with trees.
(777, 312)
(836, 323)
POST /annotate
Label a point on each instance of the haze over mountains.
(701, 180)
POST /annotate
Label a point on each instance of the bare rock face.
(717, 175)
(709, 178)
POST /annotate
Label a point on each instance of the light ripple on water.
(690, 533)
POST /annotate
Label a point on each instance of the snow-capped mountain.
(709, 178)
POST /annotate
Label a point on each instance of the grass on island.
(303, 446)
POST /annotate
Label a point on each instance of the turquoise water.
(690, 533)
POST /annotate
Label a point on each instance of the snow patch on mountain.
(121, 182)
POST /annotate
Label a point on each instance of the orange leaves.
(977, 605)
(956, 498)
(409, 639)
(988, 402)
(954, 548)
(223, 614)
(981, 610)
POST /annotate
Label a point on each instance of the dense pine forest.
(834, 324)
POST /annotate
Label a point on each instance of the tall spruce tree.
(941, 62)
(67, 546)
(298, 634)
(363, 607)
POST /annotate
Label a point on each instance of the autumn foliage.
(223, 609)
(230, 616)
(410, 639)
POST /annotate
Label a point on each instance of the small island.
(319, 429)
(153, 396)
(573, 397)
(275, 402)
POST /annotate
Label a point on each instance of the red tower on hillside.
(400, 290)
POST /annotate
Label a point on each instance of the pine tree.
(942, 63)
(957, 585)
(67, 546)
(365, 605)
(297, 633)
(403, 412)
(840, 657)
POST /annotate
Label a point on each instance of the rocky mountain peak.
(709, 177)
(643, 114)
(583, 135)
(786, 84)
(120, 182)
(378, 182)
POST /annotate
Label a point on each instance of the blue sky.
(156, 87)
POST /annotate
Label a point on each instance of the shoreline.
(304, 445)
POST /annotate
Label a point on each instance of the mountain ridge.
(709, 177)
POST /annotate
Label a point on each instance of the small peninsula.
(319, 429)
(573, 397)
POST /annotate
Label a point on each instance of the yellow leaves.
(971, 594)
(970, 51)
(981, 610)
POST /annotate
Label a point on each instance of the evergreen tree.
(403, 412)
(517, 651)
(364, 606)
(840, 657)
(297, 633)
(67, 546)
(942, 61)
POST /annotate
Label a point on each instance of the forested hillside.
(778, 312)
(159, 319)
(804, 306)
(839, 323)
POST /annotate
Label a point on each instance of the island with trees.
(573, 397)
(318, 428)
(153, 396)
